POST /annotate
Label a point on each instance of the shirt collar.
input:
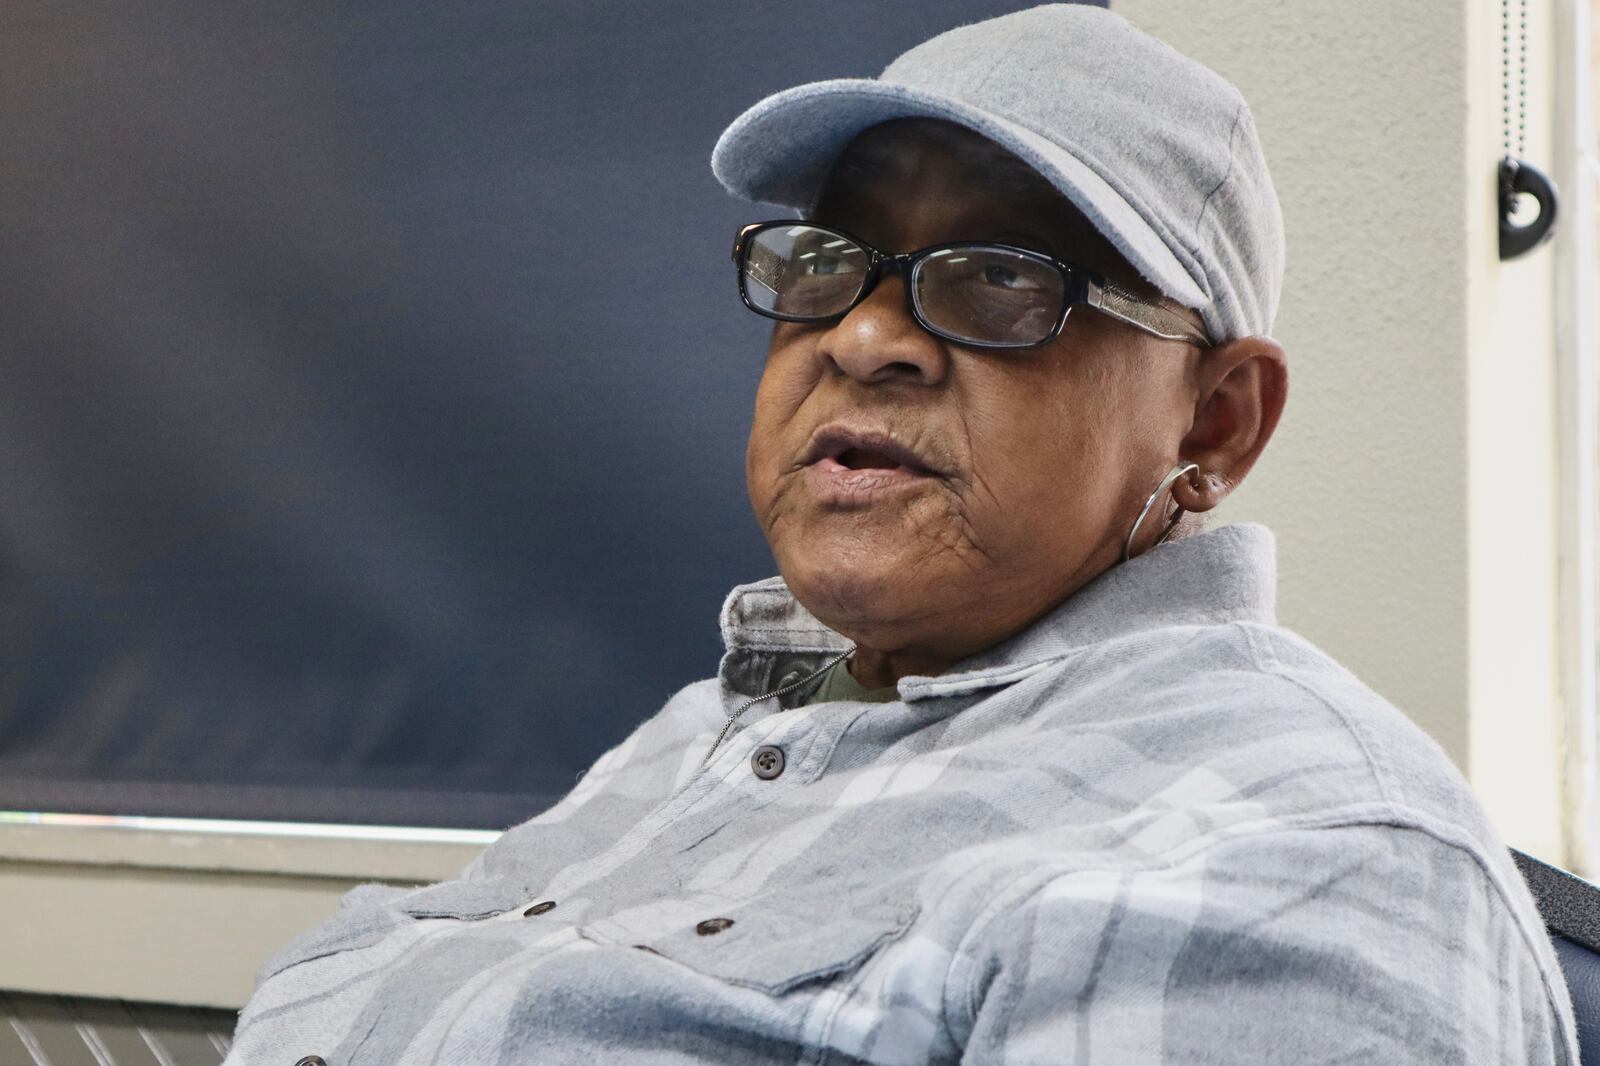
(1223, 574)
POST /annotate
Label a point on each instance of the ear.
(1242, 387)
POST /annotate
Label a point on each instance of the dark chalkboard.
(352, 468)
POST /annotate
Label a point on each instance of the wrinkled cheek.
(776, 501)
(942, 522)
(767, 464)
(753, 486)
(762, 482)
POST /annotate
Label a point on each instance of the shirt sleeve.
(1367, 943)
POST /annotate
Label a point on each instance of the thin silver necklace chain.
(753, 700)
(1522, 76)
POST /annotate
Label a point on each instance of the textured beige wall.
(1411, 480)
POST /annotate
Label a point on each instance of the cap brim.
(780, 149)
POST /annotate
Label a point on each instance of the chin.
(847, 593)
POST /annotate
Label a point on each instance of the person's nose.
(879, 341)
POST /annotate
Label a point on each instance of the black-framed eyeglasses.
(974, 293)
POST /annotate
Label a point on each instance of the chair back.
(1570, 907)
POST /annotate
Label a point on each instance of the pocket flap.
(772, 944)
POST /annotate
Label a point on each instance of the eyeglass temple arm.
(1140, 313)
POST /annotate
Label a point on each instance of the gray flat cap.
(1157, 150)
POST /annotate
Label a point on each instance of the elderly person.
(1012, 764)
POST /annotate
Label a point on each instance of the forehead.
(928, 175)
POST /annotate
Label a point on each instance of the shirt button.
(712, 926)
(311, 1060)
(539, 908)
(767, 761)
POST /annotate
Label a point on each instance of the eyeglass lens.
(986, 295)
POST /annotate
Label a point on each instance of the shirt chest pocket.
(369, 913)
(773, 943)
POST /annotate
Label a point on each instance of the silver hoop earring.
(1166, 483)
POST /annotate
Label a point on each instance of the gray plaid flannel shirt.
(1153, 827)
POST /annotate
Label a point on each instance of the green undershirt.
(840, 684)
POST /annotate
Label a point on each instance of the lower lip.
(834, 483)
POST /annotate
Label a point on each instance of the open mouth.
(841, 448)
(865, 459)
